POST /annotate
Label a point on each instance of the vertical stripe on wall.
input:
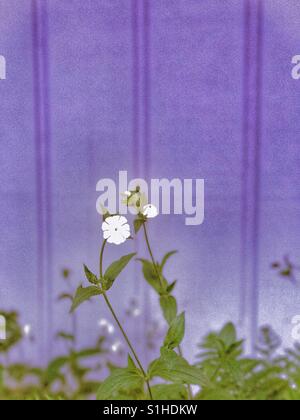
(141, 152)
(251, 167)
(141, 87)
(245, 152)
(43, 173)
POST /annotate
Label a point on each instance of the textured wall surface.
(160, 88)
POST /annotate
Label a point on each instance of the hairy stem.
(120, 325)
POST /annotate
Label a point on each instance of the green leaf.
(131, 364)
(171, 287)
(215, 395)
(176, 332)
(65, 296)
(150, 275)
(83, 294)
(115, 269)
(174, 368)
(228, 335)
(120, 380)
(65, 336)
(167, 392)
(90, 276)
(169, 307)
(166, 258)
(138, 223)
(86, 353)
(52, 372)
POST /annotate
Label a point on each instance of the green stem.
(120, 326)
(152, 256)
(162, 286)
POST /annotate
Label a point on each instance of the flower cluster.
(116, 229)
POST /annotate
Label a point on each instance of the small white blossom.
(136, 200)
(116, 229)
(150, 211)
(106, 327)
(27, 329)
(117, 347)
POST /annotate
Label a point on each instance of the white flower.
(135, 199)
(150, 211)
(106, 327)
(116, 229)
(27, 329)
(117, 348)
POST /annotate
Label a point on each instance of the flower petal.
(150, 211)
(106, 234)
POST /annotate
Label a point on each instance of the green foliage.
(13, 331)
(122, 383)
(138, 223)
(222, 370)
(99, 285)
(236, 377)
(83, 294)
(66, 377)
(168, 305)
(176, 332)
(115, 269)
(174, 368)
(154, 275)
(286, 269)
(91, 277)
(164, 392)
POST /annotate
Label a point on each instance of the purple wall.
(161, 88)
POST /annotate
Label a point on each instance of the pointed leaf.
(90, 276)
(171, 287)
(83, 294)
(228, 335)
(176, 332)
(166, 258)
(174, 368)
(120, 380)
(138, 223)
(115, 269)
(65, 336)
(150, 275)
(65, 296)
(169, 307)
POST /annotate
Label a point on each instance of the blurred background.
(160, 88)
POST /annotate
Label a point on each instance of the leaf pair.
(151, 274)
(171, 366)
(174, 368)
(114, 270)
(167, 302)
(99, 286)
(122, 382)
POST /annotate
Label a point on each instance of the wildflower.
(116, 229)
(117, 347)
(150, 211)
(135, 199)
(27, 330)
(106, 327)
